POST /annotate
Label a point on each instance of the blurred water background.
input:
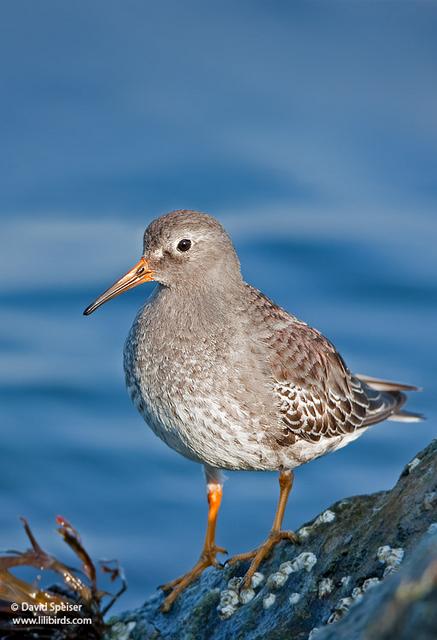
(310, 130)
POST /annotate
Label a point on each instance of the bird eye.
(184, 245)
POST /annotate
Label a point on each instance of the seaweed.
(74, 609)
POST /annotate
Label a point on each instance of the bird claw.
(241, 557)
(259, 555)
(221, 550)
(168, 586)
(175, 587)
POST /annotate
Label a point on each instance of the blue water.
(310, 130)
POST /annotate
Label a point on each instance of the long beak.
(140, 273)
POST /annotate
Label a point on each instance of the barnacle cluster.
(392, 558)
(233, 597)
(324, 518)
(344, 604)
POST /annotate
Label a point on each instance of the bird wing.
(318, 396)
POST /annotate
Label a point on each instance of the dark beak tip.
(88, 311)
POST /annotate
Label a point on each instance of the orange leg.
(209, 552)
(276, 534)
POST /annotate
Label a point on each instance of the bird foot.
(208, 558)
(260, 554)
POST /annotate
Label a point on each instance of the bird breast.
(200, 388)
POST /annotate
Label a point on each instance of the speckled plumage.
(228, 378)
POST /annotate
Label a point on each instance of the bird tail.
(388, 403)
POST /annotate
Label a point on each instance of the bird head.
(181, 249)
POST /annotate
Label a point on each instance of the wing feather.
(317, 395)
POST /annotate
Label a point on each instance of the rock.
(403, 607)
(366, 569)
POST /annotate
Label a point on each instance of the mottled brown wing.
(318, 397)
